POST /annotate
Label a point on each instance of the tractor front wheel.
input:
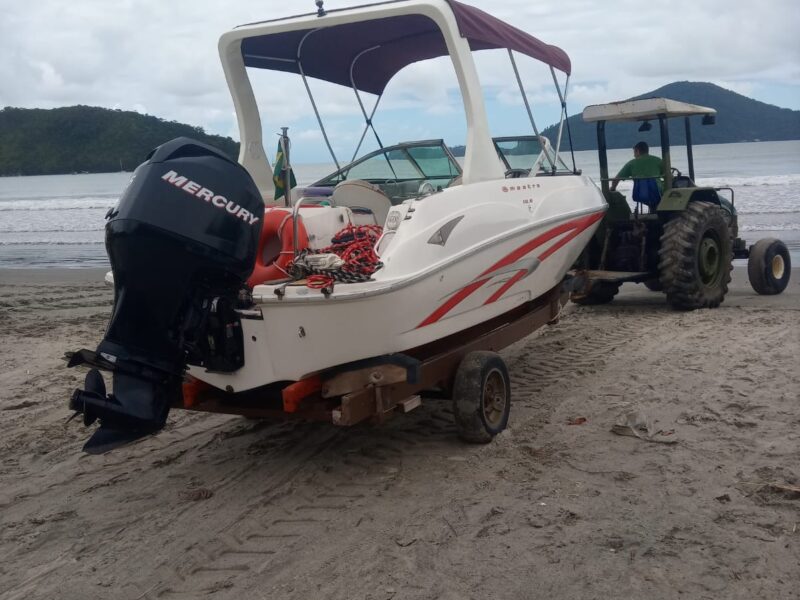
(696, 257)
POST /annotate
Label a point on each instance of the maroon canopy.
(388, 45)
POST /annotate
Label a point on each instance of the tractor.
(683, 241)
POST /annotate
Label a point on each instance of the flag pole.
(287, 172)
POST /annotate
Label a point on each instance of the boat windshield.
(527, 153)
(403, 171)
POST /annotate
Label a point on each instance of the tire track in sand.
(320, 481)
(576, 347)
(328, 488)
(323, 497)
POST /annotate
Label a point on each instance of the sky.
(160, 57)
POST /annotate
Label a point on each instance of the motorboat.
(211, 311)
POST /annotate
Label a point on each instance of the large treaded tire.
(654, 285)
(601, 292)
(481, 397)
(696, 257)
(769, 266)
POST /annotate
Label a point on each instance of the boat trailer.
(374, 389)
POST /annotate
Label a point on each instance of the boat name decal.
(517, 188)
(218, 201)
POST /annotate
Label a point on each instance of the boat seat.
(618, 207)
(682, 181)
(357, 193)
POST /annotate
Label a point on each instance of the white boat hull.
(514, 241)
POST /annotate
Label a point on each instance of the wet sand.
(222, 507)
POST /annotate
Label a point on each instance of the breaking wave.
(50, 243)
(755, 181)
(69, 203)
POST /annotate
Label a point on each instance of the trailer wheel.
(481, 397)
(696, 257)
(769, 266)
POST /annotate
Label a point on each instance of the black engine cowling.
(182, 242)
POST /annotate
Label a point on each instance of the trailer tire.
(696, 257)
(769, 266)
(481, 397)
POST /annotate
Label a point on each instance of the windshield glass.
(403, 171)
(528, 153)
(519, 153)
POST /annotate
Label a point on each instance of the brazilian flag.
(277, 173)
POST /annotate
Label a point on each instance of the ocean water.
(58, 220)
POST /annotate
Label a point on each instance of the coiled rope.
(355, 245)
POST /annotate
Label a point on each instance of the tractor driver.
(647, 172)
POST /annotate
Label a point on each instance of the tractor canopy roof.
(643, 110)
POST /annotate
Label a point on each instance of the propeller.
(94, 404)
(94, 387)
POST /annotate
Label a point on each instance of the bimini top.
(642, 110)
(367, 54)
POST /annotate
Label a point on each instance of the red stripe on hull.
(504, 288)
(575, 227)
(452, 302)
(580, 226)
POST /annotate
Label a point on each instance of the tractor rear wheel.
(600, 292)
(654, 285)
(696, 257)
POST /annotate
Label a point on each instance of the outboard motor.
(182, 242)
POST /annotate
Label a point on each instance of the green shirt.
(644, 167)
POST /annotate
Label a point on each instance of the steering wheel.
(517, 173)
(675, 172)
(426, 189)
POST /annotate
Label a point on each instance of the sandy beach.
(557, 507)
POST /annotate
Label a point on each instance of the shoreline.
(35, 259)
(42, 275)
(314, 163)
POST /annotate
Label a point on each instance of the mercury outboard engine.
(182, 242)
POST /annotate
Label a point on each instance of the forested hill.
(95, 140)
(77, 139)
(739, 119)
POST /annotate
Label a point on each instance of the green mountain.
(86, 138)
(739, 119)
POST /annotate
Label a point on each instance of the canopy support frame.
(367, 128)
(311, 96)
(563, 99)
(367, 118)
(527, 105)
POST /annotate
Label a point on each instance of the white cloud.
(162, 57)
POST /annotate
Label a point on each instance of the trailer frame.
(375, 389)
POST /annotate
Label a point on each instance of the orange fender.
(277, 231)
